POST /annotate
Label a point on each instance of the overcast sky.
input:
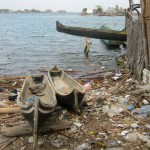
(68, 5)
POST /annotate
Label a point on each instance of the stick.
(25, 129)
(142, 122)
(3, 104)
(9, 142)
(9, 110)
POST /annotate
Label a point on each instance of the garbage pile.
(114, 115)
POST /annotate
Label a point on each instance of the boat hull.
(37, 90)
(69, 93)
(92, 33)
(111, 43)
(43, 114)
(69, 101)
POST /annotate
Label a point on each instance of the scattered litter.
(130, 107)
(125, 132)
(83, 146)
(115, 78)
(132, 137)
(118, 74)
(134, 125)
(87, 86)
(56, 142)
(148, 144)
(144, 110)
(77, 124)
(145, 102)
(148, 126)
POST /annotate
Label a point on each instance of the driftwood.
(9, 110)
(92, 33)
(25, 129)
(7, 143)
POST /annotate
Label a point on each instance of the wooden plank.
(25, 129)
(9, 110)
(144, 34)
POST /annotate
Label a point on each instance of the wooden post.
(130, 4)
(145, 46)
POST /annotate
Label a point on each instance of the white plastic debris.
(134, 125)
(118, 74)
(115, 78)
(77, 124)
(148, 126)
(87, 86)
(127, 96)
(145, 102)
(121, 125)
(31, 139)
(132, 137)
(148, 144)
(56, 143)
(125, 132)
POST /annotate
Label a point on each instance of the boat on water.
(92, 32)
(111, 43)
(69, 92)
(36, 101)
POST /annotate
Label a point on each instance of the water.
(30, 42)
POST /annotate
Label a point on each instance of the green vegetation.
(99, 9)
(84, 10)
(35, 11)
(5, 10)
(117, 8)
(110, 11)
(24, 11)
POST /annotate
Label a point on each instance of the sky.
(68, 5)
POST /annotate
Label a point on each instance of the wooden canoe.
(92, 33)
(69, 92)
(36, 101)
(111, 43)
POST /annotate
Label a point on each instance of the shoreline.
(104, 116)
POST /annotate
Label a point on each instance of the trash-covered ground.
(114, 115)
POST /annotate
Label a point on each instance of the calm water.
(30, 42)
